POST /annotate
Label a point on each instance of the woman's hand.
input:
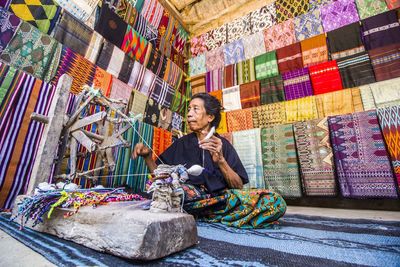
(141, 150)
(214, 145)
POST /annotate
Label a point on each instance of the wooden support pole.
(84, 140)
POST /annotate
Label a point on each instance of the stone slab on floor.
(122, 229)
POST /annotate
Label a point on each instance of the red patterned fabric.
(325, 77)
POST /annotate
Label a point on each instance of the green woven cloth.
(266, 65)
(245, 71)
(369, 8)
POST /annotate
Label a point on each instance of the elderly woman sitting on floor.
(207, 195)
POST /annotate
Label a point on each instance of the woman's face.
(197, 117)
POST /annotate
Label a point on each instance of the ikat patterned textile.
(248, 147)
(287, 9)
(272, 90)
(279, 35)
(263, 18)
(384, 94)
(9, 23)
(231, 98)
(214, 80)
(325, 77)
(135, 46)
(314, 50)
(216, 37)
(80, 9)
(393, 4)
(198, 45)
(381, 30)
(289, 58)
(246, 71)
(308, 25)
(369, 8)
(339, 102)
(197, 65)
(177, 122)
(250, 94)
(315, 157)
(238, 28)
(239, 120)
(162, 93)
(230, 76)
(152, 113)
(180, 40)
(152, 11)
(32, 51)
(386, 61)
(338, 14)
(198, 84)
(301, 109)
(215, 59)
(268, 115)
(389, 120)
(281, 171)
(233, 52)
(42, 14)
(254, 45)
(361, 160)
(266, 65)
(111, 27)
(166, 33)
(120, 90)
(297, 84)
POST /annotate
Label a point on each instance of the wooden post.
(48, 145)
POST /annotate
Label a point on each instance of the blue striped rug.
(299, 241)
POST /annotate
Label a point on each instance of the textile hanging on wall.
(222, 127)
(246, 71)
(308, 25)
(272, 90)
(9, 23)
(266, 65)
(166, 34)
(110, 26)
(369, 8)
(231, 98)
(248, 147)
(339, 102)
(325, 77)
(381, 30)
(393, 4)
(157, 63)
(95, 45)
(389, 121)
(198, 45)
(313, 4)
(136, 76)
(42, 14)
(120, 90)
(233, 52)
(218, 95)
(386, 93)
(197, 65)
(214, 80)
(297, 84)
(279, 35)
(137, 102)
(238, 28)
(386, 62)
(180, 39)
(173, 74)
(338, 14)
(198, 84)
(250, 94)
(81, 9)
(361, 160)
(301, 109)
(162, 139)
(177, 121)
(148, 82)
(314, 50)
(102, 80)
(162, 93)
(152, 11)
(215, 59)
(152, 113)
(239, 120)
(146, 30)
(135, 46)
(289, 58)
(268, 115)
(126, 11)
(281, 171)
(165, 119)
(286, 9)
(230, 76)
(254, 45)
(315, 157)
(216, 37)
(32, 51)
(179, 103)
(263, 18)
(19, 135)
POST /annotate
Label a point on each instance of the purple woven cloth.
(338, 14)
(297, 84)
(8, 25)
(361, 159)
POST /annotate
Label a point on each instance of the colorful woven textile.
(152, 113)
(308, 25)
(238, 28)
(152, 11)
(385, 93)
(279, 35)
(157, 63)
(246, 71)
(120, 90)
(135, 46)
(367, 98)
(389, 121)
(162, 93)
(250, 94)
(148, 82)
(166, 33)
(222, 127)
(361, 160)
(254, 45)
(197, 45)
(111, 26)
(381, 30)
(136, 76)
(272, 90)
(301, 109)
(102, 80)
(239, 120)
(325, 77)
(93, 51)
(338, 14)
(230, 76)
(286, 9)
(145, 29)
(179, 103)
(233, 52)
(369, 8)
(215, 59)
(177, 122)
(314, 50)
(216, 37)
(32, 51)
(217, 94)
(248, 147)
(180, 39)
(281, 171)
(197, 65)
(198, 84)
(231, 98)
(162, 139)
(214, 80)
(289, 58)
(80, 9)
(42, 14)
(173, 74)
(263, 18)
(339, 102)
(126, 11)
(19, 135)
(313, 4)
(137, 102)
(315, 157)
(297, 84)
(393, 4)
(386, 61)
(266, 65)
(268, 115)
(8, 25)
